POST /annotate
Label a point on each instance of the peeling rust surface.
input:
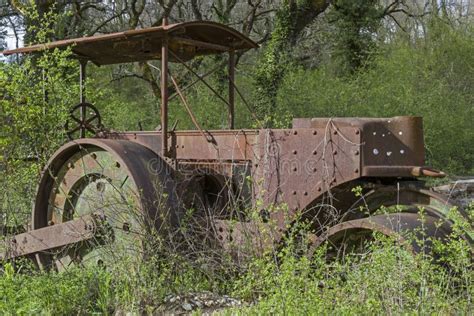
(50, 238)
(403, 226)
(188, 40)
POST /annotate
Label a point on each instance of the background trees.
(317, 58)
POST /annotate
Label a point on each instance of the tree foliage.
(317, 59)
(35, 98)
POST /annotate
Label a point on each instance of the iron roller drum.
(392, 211)
(127, 187)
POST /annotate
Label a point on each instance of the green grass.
(386, 279)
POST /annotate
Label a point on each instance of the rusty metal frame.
(82, 97)
(231, 70)
(46, 239)
(231, 101)
(102, 49)
(164, 93)
(190, 112)
(165, 98)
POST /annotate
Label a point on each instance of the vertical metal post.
(231, 89)
(82, 97)
(164, 93)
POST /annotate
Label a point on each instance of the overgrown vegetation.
(387, 278)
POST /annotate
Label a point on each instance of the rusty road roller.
(105, 187)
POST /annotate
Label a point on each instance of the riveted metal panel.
(295, 166)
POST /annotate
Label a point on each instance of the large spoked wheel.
(409, 214)
(125, 185)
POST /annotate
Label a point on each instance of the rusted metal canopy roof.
(186, 40)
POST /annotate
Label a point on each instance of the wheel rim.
(411, 199)
(403, 205)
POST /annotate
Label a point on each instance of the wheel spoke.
(77, 120)
(90, 129)
(75, 129)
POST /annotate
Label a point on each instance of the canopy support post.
(231, 89)
(82, 96)
(164, 94)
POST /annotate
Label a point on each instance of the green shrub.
(386, 279)
(76, 291)
(432, 79)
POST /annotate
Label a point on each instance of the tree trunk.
(291, 19)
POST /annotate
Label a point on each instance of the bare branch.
(105, 22)
(196, 10)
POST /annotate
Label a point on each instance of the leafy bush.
(128, 286)
(387, 279)
(34, 103)
(430, 78)
(76, 291)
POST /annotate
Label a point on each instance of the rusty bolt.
(357, 132)
(315, 132)
(50, 223)
(294, 192)
(100, 186)
(305, 193)
(319, 189)
(315, 152)
(294, 169)
(335, 132)
(335, 152)
(295, 132)
(182, 146)
(356, 171)
(117, 164)
(356, 153)
(94, 156)
(314, 169)
(295, 152)
(256, 165)
(126, 227)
